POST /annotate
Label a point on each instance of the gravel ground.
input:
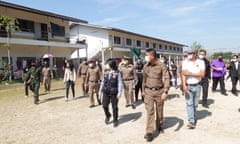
(55, 121)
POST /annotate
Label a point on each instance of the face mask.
(234, 60)
(162, 61)
(201, 57)
(189, 57)
(220, 59)
(91, 65)
(107, 66)
(147, 58)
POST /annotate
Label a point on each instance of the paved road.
(55, 121)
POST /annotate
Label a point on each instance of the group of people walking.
(151, 78)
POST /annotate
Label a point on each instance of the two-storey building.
(106, 42)
(41, 32)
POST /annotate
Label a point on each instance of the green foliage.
(196, 46)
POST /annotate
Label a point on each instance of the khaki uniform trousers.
(128, 92)
(84, 87)
(93, 88)
(153, 103)
(47, 83)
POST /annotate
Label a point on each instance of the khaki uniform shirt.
(93, 75)
(155, 76)
(128, 72)
(82, 69)
(47, 72)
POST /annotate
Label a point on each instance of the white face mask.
(189, 57)
(90, 65)
(107, 66)
(201, 57)
(162, 61)
(147, 58)
(234, 60)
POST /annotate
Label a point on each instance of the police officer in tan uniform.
(82, 72)
(129, 76)
(92, 81)
(47, 76)
(155, 89)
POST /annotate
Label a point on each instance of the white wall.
(96, 39)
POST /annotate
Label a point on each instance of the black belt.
(83, 74)
(193, 84)
(94, 81)
(127, 79)
(154, 88)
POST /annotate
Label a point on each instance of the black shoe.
(225, 94)
(191, 126)
(99, 101)
(91, 106)
(127, 105)
(133, 106)
(159, 129)
(115, 123)
(107, 120)
(149, 137)
(234, 93)
(204, 104)
(36, 102)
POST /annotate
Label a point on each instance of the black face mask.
(220, 59)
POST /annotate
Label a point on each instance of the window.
(147, 44)
(26, 25)
(166, 47)
(117, 40)
(160, 46)
(138, 43)
(128, 41)
(174, 48)
(3, 32)
(154, 45)
(57, 30)
(170, 48)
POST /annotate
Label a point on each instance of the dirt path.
(55, 121)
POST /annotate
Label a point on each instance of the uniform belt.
(83, 74)
(154, 88)
(94, 81)
(193, 84)
(127, 79)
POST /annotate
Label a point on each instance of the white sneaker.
(66, 99)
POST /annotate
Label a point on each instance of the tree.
(196, 46)
(8, 24)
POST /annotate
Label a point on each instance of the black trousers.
(68, 85)
(137, 88)
(204, 84)
(234, 84)
(26, 86)
(222, 84)
(107, 98)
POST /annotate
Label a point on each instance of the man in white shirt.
(193, 70)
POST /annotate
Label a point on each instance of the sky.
(215, 24)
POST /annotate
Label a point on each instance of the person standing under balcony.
(82, 72)
(69, 79)
(92, 81)
(128, 74)
(47, 76)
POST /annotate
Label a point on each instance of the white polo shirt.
(193, 67)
